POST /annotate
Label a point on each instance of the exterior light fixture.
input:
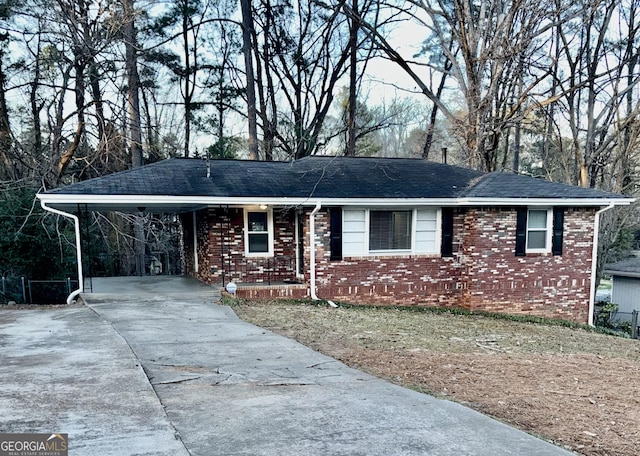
(231, 288)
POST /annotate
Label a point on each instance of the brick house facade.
(483, 272)
(384, 231)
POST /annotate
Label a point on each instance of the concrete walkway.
(214, 385)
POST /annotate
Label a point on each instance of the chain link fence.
(21, 290)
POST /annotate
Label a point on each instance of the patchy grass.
(566, 383)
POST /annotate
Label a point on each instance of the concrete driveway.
(152, 366)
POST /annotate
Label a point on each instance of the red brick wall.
(396, 280)
(221, 248)
(537, 284)
(483, 274)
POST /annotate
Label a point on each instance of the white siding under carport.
(626, 293)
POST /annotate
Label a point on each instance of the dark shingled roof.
(324, 177)
(628, 267)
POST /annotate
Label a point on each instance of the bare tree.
(484, 45)
(599, 51)
(306, 48)
(133, 81)
(247, 50)
(7, 169)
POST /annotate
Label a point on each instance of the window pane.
(536, 239)
(258, 243)
(537, 220)
(390, 230)
(257, 221)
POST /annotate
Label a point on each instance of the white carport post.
(76, 222)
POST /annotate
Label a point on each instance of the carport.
(74, 206)
(171, 187)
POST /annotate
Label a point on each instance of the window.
(390, 230)
(258, 233)
(381, 231)
(539, 231)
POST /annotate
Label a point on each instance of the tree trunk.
(434, 110)
(96, 95)
(8, 170)
(68, 154)
(35, 106)
(247, 33)
(353, 80)
(135, 133)
(187, 75)
(133, 84)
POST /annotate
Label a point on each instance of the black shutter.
(335, 215)
(558, 228)
(446, 248)
(521, 231)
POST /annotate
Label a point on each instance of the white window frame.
(355, 236)
(548, 230)
(269, 233)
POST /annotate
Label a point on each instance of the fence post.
(68, 286)
(4, 286)
(634, 324)
(24, 291)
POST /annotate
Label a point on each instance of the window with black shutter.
(539, 230)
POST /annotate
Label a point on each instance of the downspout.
(312, 251)
(76, 222)
(196, 266)
(594, 262)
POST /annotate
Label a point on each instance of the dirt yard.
(576, 388)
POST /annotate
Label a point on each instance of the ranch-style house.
(370, 230)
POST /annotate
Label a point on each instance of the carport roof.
(183, 184)
(629, 267)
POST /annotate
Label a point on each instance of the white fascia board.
(169, 200)
(613, 272)
(568, 202)
(476, 202)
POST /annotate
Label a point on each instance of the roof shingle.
(324, 177)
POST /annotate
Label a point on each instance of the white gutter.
(594, 261)
(312, 251)
(195, 243)
(162, 201)
(76, 222)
